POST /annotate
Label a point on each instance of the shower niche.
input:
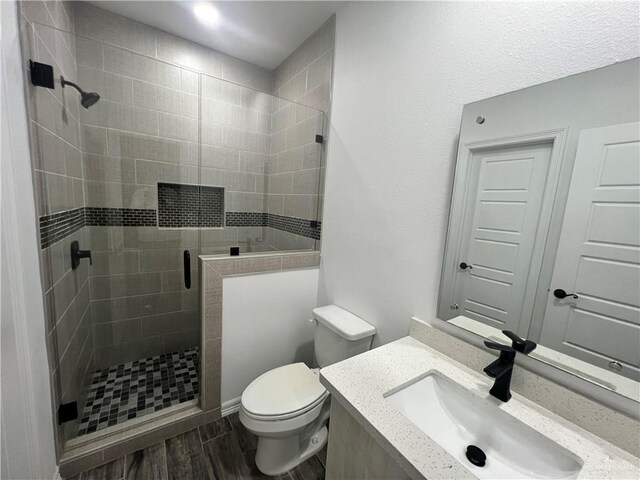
(190, 206)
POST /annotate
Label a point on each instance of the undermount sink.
(455, 418)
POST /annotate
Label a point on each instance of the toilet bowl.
(287, 408)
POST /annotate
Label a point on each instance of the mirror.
(544, 227)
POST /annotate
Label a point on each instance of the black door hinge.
(67, 412)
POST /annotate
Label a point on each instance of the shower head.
(87, 99)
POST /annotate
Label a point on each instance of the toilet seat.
(282, 393)
(286, 416)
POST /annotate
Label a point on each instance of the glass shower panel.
(263, 152)
(141, 192)
(122, 179)
(295, 176)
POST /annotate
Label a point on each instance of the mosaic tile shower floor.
(137, 388)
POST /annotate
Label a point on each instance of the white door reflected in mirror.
(545, 216)
(504, 198)
(599, 254)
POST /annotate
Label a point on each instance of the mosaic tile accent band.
(298, 226)
(189, 206)
(119, 217)
(58, 226)
(134, 389)
(246, 219)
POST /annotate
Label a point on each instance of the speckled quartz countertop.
(359, 384)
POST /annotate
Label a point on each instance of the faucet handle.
(499, 346)
(519, 344)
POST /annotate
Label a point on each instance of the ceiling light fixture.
(207, 14)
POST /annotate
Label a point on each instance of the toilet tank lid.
(344, 323)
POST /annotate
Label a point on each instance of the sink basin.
(456, 418)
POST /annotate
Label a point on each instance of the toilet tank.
(339, 335)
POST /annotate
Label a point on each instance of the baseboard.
(230, 406)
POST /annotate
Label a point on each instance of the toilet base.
(276, 456)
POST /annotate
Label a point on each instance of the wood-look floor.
(221, 450)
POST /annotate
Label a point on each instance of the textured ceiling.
(263, 33)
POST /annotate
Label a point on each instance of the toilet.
(287, 408)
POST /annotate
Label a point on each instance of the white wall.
(402, 73)
(27, 423)
(265, 325)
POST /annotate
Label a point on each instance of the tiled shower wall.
(57, 166)
(296, 171)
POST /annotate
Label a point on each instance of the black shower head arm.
(67, 82)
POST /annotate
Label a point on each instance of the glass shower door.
(120, 181)
(141, 204)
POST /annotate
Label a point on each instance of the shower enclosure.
(168, 164)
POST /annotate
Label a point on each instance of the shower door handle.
(187, 269)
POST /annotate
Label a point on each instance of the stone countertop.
(359, 384)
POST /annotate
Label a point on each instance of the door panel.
(620, 165)
(598, 255)
(506, 188)
(589, 331)
(604, 278)
(502, 216)
(614, 223)
(502, 256)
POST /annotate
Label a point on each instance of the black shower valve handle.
(77, 255)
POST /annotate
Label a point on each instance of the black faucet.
(502, 368)
(519, 344)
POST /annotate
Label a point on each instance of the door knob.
(559, 293)
(464, 266)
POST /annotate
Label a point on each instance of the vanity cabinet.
(352, 453)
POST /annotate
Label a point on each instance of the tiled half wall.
(213, 270)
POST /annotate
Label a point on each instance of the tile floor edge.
(138, 430)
